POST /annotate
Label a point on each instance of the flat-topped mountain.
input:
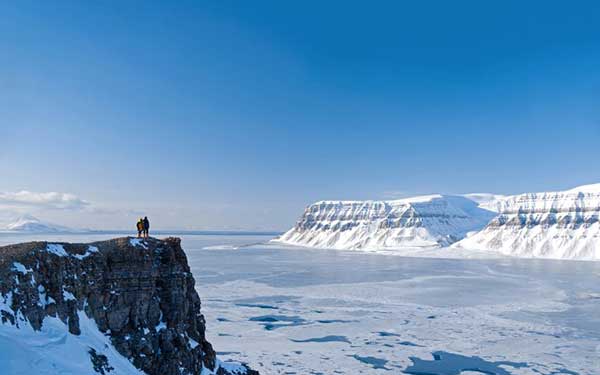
(427, 221)
(122, 306)
(562, 225)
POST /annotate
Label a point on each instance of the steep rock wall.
(140, 293)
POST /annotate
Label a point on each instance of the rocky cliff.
(127, 304)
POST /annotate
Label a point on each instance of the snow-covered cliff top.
(582, 198)
(559, 225)
(392, 202)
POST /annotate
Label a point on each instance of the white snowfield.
(53, 350)
(558, 225)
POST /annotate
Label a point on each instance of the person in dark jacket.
(140, 227)
(146, 223)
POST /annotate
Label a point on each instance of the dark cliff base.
(139, 292)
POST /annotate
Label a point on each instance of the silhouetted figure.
(140, 227)
(146, 225)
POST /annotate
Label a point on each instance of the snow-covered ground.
(53, 350)
(302, 311)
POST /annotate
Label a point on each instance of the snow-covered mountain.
(30, 224)
(426, 221)
(487, 201)
(562, 225)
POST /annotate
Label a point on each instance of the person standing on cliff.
(140, 227)
(146, 224)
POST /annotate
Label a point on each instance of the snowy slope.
(425, 221)
(561, 225)
(487, 201)
(30, 224)
(53, 350)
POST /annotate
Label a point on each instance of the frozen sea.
(304, 311)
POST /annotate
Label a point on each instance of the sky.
(236, 115)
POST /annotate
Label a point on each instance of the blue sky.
(236, 115)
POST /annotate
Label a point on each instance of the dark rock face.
(139, 292)
(100, 362)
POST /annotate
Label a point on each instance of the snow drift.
(426, 221)
(560, 225)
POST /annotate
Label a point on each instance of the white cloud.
(49, 200)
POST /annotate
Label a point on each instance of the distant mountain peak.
(30, 224)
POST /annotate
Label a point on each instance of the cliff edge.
(124, 305)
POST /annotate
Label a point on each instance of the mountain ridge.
(423, 221)
(31, 224)
(558, 225)
(561, 224)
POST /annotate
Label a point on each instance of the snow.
(21, 268)
(558, 225)
(591, 188)
(419, 222)
(31, 224)
(402, 201)
(348, 312)
(394, 311)
(43, 298)
(91, 250)
(53, 350)
(6, 303)
(56, 249)
(138, 242)
(68, 296)
(161, 325)
(486, 200)
(193, 343)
